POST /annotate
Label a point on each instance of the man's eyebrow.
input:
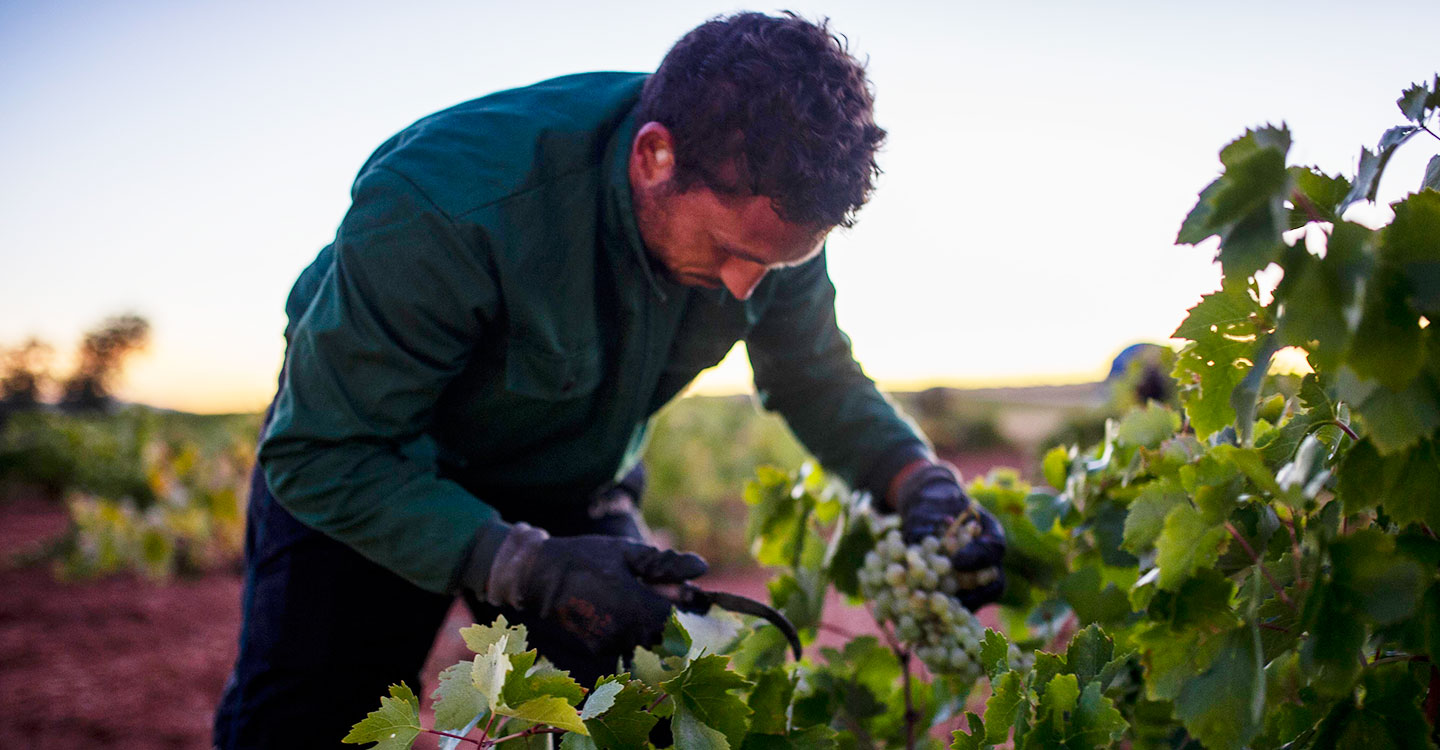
(737, 252)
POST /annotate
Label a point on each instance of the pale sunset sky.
(185, 160)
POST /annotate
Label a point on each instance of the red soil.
(129, 664)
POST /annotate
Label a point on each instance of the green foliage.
(1255, 566)
(148, 492)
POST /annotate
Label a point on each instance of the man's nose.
(741, 277)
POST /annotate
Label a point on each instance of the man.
(521, 282)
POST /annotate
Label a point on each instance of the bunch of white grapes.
(913, 588)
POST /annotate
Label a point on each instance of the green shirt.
(486, 336)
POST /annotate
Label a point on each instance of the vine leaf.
(703, 697)
(1223, 333)
(619, 720)
(457, 700)
(1146, 516)
(1417, 99)
(1223, 706)
(994, 653)
(528, 680)
(394, 726)
(1096, 721)
(1187, 543)
(1390, 716)
(1090, 650)
(1008, 706)
(1432, 174)
(479, 638)
(974, 740)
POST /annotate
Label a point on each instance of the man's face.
(701, 238)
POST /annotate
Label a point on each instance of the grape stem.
(903, 655)
(1345, 428)
(532, 731)
(1279, 592)
(451, 736)
(837, 630)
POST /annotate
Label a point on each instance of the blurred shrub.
(150, 492)
(702, 450)
(954, 423)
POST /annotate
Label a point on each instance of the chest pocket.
(542, 374)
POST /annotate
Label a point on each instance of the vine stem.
(1345, 428)
(531, 732)
(836, 629)
(1301, 200)
(451, 736)
(1295, 551)
(903, 654)
(1279, 592)
(1431, 132)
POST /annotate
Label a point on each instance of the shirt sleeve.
(804, 369)
(393, 320)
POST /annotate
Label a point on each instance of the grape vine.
(1255, 566)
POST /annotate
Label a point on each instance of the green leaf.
(528, 680)
(1222, 707)
(1389, 716)
(1095, 721)
(809, 738)
(489, 671)
(1432, 174)
(394, 726)
(1148, 427)
(1008, 706)
(770, 702)
(1387, 346)
(1093, 599)
(675, 640)
(1254, 175)
(691, 732)
(1089, 651)
(1246, 396)
(847, 555)
(1172, 657)
(1056, 466)
(457, 700)
(1203, 602)
(549, 710)
(703, 690)
(1382, 585)
(479, 638)
(602, 698)
(1411, 245)
(1223, 329)
(994, 653)
(778, 509)
(1322, 191)
(974, 740)
(1058, 701)
(1414, 101)
(1146, 515)
(625, 722)
(800, 597)
(1187, 543)
(1403, 483)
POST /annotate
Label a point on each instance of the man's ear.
(652, 155)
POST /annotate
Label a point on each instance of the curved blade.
(747, 606)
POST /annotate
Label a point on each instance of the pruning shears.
(690, 598)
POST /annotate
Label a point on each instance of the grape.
(913, 588)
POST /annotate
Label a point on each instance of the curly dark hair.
(772, 106)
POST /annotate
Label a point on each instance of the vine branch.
(451, 736)
(1279, 592)
(532, 731)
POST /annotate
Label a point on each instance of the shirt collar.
(619, 210)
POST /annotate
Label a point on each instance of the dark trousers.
(326, 631)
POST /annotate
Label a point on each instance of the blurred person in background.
(521, 282)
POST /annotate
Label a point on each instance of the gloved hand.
(928, 500)
(598, 588)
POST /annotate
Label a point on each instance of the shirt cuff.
(877, 480)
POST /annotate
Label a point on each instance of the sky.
(185, 160)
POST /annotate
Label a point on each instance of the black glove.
(928, 501)
(615, 508)
(598, 588)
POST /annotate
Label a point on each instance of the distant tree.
(102, 353)
(24, 374)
